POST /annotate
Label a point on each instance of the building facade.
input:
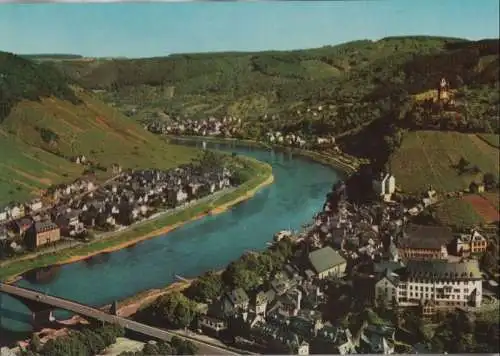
(444, 284)
(385, 186)
(474, 243)
(425, 243)
(44, 232)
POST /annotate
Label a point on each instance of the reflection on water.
(43, 275)
(298, 192)
(131, 247)
(97, 259)
(15, 319)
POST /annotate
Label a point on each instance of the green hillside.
(44, 123)
(430, 158)
(251, 84)
(366, 93)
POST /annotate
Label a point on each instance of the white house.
(35, 205)
(385, 186)
(181, 196)
(143, 209)
(3, 215)
(386, 288)
(16, 212)
(303, 348)
(473, 242)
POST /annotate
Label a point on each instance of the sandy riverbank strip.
(158, 232)
(164, 230)
(249, 194)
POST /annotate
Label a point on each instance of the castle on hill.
(443, 93)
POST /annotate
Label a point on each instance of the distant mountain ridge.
(47, 106)
(255, 83)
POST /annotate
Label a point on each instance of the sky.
(158, 29)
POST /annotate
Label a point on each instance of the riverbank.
(261, 176)
(345, 168)
(129, 306)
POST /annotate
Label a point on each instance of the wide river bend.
(297, 193)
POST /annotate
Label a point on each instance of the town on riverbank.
(134, 205)
(400, 256)
(365, 278)
(369, 275)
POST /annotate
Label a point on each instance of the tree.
(175, 309)
(475, 169)
(489, 260)
(66, 345)
(165, 348)
(462, 164)
(185, 347)
(489, 180)
(29, 353)
(94, 341)
(35, 344)
(207, 287)
(238, 275)
(110, 332)
(175, 342)
(210, 160)
(151, 349)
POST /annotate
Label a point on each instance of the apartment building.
(445, 284)
(425, 242)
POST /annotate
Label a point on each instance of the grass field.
(28, 164)
(428, 158)
(260, 172)
(458, 212)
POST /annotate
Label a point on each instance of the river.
(297, 193)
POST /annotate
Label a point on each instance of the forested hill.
(46, 121)
(252, 84)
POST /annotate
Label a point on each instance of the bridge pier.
(41, 313)
(41, 318)
(113, 310)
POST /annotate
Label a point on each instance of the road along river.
(298, 192)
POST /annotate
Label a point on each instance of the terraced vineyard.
(430, 158)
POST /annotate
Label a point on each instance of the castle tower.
(443, 90)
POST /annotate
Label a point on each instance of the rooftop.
(325, 259)
(428, 237)
(443, 270)
(238, 296)
(42, 226)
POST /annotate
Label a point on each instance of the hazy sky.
(156, 29)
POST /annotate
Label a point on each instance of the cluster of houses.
(427, 268)
(83, 205)
(226, 127)
(233, 127)
(283, 315)
(295, 140)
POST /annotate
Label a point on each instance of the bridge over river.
(211, 243)
(41, 306)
